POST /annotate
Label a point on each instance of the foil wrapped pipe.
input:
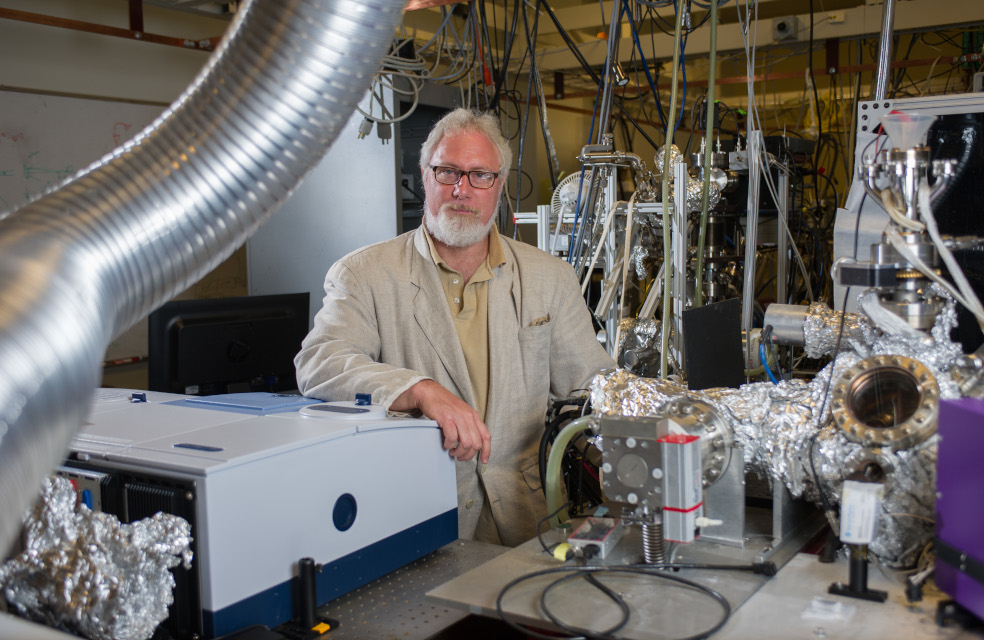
(787, 433)
(694, 186)
(84, 572)
(83, 263)
(816, 328)
(694, 195)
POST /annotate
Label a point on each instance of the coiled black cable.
(655, 571)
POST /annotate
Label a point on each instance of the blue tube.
(580, 186)
(645, 63)
(765, 363)
(683, 71)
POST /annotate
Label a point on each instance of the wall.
(349, 200)
(51, 59)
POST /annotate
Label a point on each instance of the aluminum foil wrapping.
(822, 326)
(637, 260)
(694, 195)
(675, 157)
(785, 432)
(694, 188)
(770, 422)
(640, 341)
(88, 574)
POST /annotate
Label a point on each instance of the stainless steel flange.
(886, 401)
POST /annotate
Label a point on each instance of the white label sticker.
(860, 504)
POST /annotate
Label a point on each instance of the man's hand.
(464, 432)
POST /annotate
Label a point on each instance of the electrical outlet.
(407, 184)
(786, 28)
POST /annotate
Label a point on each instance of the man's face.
(459, 215)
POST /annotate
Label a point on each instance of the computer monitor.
(227, 345)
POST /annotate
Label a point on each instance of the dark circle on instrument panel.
(343, 515)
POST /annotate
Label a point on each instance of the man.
(469, 328)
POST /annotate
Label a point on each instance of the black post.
(308, 592)
(858, 572)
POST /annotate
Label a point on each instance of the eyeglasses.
(477, 179)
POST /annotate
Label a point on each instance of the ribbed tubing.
(81, 264)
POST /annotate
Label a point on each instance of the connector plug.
(913, 590)
(365, 128)
(702, 522)
(385, 131)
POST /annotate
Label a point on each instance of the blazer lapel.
(501, 332)
(430, 310)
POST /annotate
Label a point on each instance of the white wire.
(956, 272)
(884, 319)
(629, 218)
(754, 122)
(899, 217)
(601, 243)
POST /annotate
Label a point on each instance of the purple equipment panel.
(960, 504)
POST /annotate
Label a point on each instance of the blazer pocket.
(535, 332)
(531, 474)
(533, 363)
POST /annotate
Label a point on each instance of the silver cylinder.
(787, 322)
(885, 49)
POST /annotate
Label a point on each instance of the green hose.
(664, 369)
(554, 496)
(708, 153)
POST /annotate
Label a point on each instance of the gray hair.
(466, 121)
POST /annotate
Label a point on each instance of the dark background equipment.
(227, 345)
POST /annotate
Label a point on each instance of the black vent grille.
(130, 497)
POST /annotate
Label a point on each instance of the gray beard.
(456, 231)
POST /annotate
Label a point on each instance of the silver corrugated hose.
(82, 264)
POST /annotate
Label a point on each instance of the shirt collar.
(496, 257)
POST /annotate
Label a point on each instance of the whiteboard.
(44, 140)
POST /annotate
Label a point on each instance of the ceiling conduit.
(83, 263)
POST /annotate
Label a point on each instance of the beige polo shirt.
(469, 305)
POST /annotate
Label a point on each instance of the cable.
(593, 581)
(550, 432)
(539, 527)
(645, 64)
(654, 571)
(708, 154)
(667, 247)
(955, 271)
(552, 491)
(683, 73)
(827, 509)
(594, 76)
(500, 81)
(765, 363)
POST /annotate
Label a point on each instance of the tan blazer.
(385, 325)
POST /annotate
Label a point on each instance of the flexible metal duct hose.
(84, 263)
